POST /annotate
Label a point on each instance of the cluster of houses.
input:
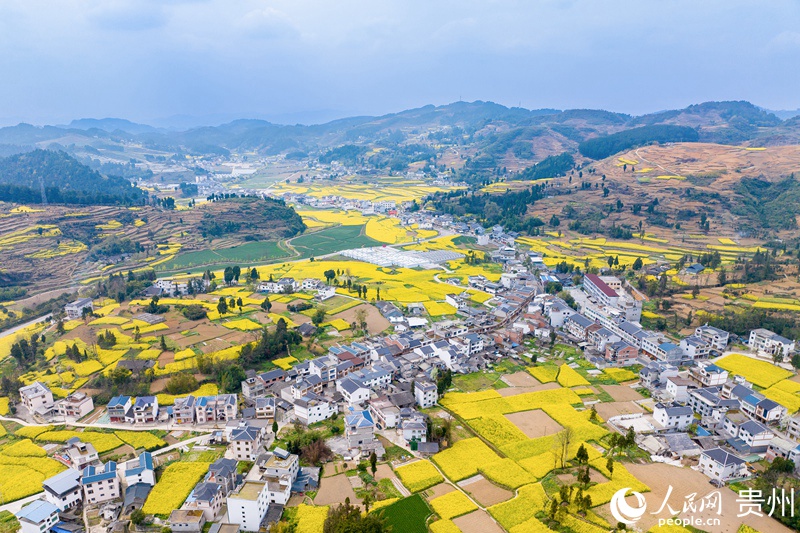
(703, 412)
(252, 497)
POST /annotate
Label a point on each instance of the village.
(696, 401)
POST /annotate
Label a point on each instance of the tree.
(163, 344)
(593, 414)
(630, 437)
(239, 302)
(564, 439)
(347, 518)
(319, 317)
(722, 276)
(181, 383)
(275, 427)
(373, 462)
(361, 319)
(638, 264)
(137, 517)
(266, 305)
(610, 466)
(222, 305)
(582, 456)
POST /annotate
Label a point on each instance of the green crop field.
(408, 515)
(332, 240)
(250, 253)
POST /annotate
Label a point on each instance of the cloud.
(785, 41)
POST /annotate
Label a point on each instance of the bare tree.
(564, 439)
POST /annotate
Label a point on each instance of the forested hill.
(64, 179)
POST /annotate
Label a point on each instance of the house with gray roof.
(64, 490)
(721, 465)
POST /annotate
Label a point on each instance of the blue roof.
(145, 463)
(714, 368)
(119, 401)
(142, 401)
(38, 511)
(667, 346)
(92, 474)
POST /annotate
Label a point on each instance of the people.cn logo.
(622, 511)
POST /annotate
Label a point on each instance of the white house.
(717, 338)
(325, 293)
(187, 520)
(36, 396)
(754, 435)
(353, 391)
(708, 375)
(694, 347)
(145, 409)
(139, 470)
(673, 416)
(245, 441)
(37, 517)
(721, 465)
(678, 388)
(311, 409)
(64, 490)
(425, 393)
(76, 405)
(80, 454)
(765, 341)
(74, 310)
(248, 504)
(101, 483)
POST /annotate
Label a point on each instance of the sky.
(208, 61)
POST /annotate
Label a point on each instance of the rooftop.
(249, 491)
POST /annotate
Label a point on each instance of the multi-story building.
(600, 290)
(752, 435)
(265, 407)
(139, 470)
(74, 310)
(673, 416)
(39, 516)
(220, 408)
(183, 410)
(311, 409)
(717, 338)
(709, 404)
(120, 409)
(353, 391)
(767, 342)
(708, 375)
(36, 397)
(64, 490)
(79, 454)
(76, 405)
(577, 325)
(662, 349)
(621, 353)
(187, 520)
(207, 497)
(248, 505)
(694, 348)
(359, 429)
(145, 409)
(721, 465)
(223, 472)
(100, 484)
(678, 388)
(425, 393)
(245, 441)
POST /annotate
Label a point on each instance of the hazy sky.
(303, 60)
